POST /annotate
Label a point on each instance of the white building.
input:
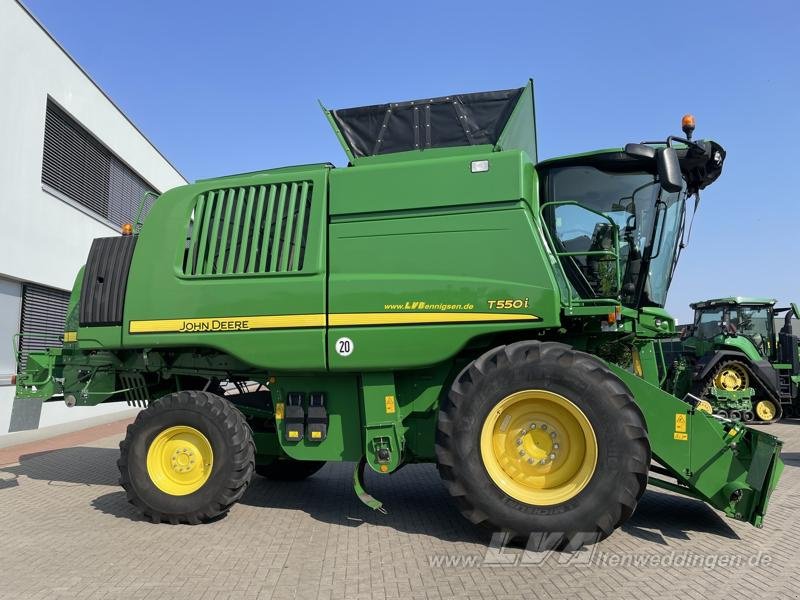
(73, 168)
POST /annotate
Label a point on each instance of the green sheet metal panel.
(445, 179)
(416, 274)
(253, 290)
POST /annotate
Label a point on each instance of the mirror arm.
(680, 140)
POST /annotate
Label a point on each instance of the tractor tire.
(287, 469)
(544, 443)
(187, 458)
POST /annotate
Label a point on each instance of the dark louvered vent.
(105, 280)
(44, 311)
(77, 165)
(258, 229)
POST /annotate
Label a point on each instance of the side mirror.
(640, 150)
(669, 170)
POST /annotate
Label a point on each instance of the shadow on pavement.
(415, 499)
(660, 516)
(792, 459)
(68, 466)
(416, 504)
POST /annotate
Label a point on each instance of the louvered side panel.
(268, 226)
(236, 233)
(44, 311)
(224, 233)
(258, 231)
(300, 230)
(288, 233)
(193, 232)
(203, 241)
(213, 239)
(248, 230)
(277, 229)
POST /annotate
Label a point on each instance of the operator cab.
(616, 218)
(752, 318)
(607, 212)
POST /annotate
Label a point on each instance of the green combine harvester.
(731, 357)
(446, 298)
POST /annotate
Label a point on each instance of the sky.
(230, 87)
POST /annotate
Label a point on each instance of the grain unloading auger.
(446, 298)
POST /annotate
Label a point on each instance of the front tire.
(543, 442)
(187, 458)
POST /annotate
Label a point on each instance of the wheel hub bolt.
(552, 456)
(519, 441)
(544, 427)
(182, 460)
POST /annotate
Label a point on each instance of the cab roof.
(731, 300)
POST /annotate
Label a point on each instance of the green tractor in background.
(732, 359)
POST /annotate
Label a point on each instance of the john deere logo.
(213, 325)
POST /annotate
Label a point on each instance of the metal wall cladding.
(248, 230)
(79, 166)
(44, 311)
(105, 280)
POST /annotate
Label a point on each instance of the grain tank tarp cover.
(457, 120)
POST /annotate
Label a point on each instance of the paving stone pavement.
(66, 531)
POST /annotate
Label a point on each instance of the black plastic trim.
(105, 280)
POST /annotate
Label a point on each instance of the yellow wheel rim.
(766, 410)
(705, 406)
(538, 447)
(732, 378)
(179, 460)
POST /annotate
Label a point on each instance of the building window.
(78, 166)
(44, 311)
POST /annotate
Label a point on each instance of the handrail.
(559, 254)
(18, 353)
(41, 336)
(138, 224)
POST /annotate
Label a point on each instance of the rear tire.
(287, 469)
(186, 458)
(551, 383)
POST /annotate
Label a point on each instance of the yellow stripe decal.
(419, 318)
(202, 325)
(227, 324)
